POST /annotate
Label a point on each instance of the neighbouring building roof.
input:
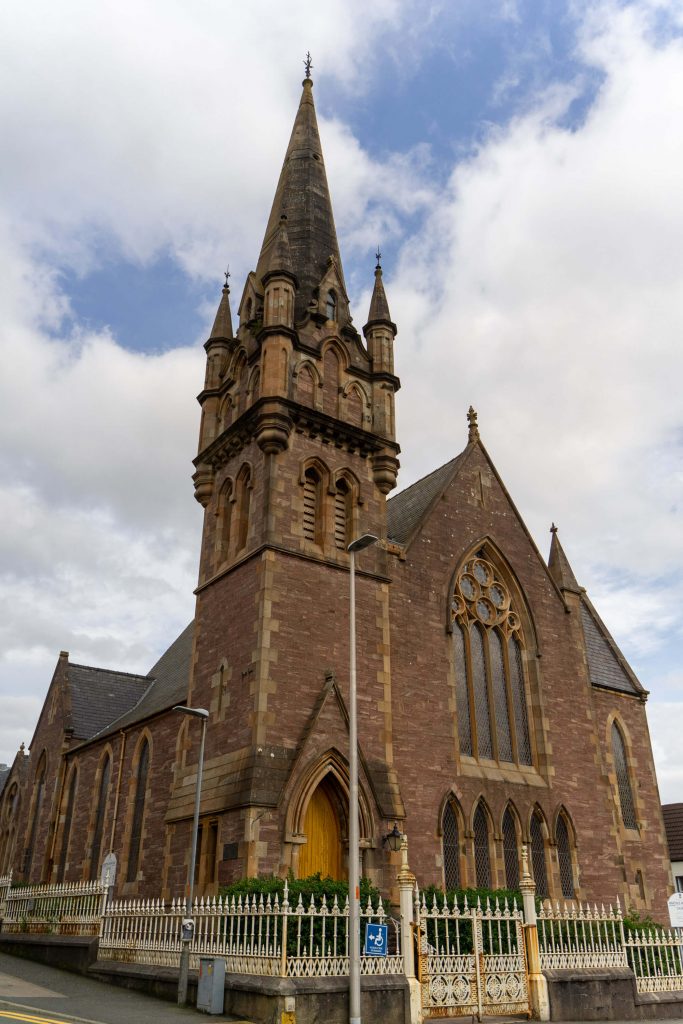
(99, 695)
(406, 510)
(166, 684)
(606, 664)
(673, 824)
(4, 774)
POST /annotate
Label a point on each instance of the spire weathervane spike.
(378, 257)
(308, 64)
(553, 528)
(227, 277)
(473, 434)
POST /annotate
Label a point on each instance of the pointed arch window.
(68, 819)
(243, 503)
(564, 858)
(225, 504)
(451, 848)
(331, 306)
(343, 515)
(305, 390)
(628, 810)
(538, 855)
(493, 721)
(331, 370)
(510, 850)
(39, 787)
(138, 813)
(102, 796)
(312, 515)
(482, 855)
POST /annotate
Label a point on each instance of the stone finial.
(553, 528)
(473, 433)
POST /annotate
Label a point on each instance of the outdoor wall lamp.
(393, 839)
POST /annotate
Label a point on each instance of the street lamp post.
(354, 844)
(186, 929)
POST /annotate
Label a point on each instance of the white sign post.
(676, 910)
(108, 875)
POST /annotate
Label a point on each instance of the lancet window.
(451, 848)
(138, 813)
(225, 505)
(331, 306)
(538, 855)
(66, 830)
(487, 642)
(510, 851)
(243, 502)
(482, 854)
(37, 808)
(102, 796)
(628, 810)
(564, 858)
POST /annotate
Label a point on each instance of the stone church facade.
(495, 709)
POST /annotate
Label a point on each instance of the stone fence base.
(70, 953)
(607, 994)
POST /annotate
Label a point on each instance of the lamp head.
(394, 839)
(195, 712)
(362, 542)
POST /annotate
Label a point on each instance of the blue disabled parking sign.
(375, 940)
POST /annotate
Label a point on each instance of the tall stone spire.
(559, 567)
(303, 196)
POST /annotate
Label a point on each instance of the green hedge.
(314, 885)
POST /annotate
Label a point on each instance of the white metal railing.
(656, 959)
(576, 936)
(74, 908)
(256, 935)
(5, 883)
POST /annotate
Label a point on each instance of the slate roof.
(673, 824)
(99, 695)
(165, 685)
(606, 664)
(406, 510)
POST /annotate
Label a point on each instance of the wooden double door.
(323, 851)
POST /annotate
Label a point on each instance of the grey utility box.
(211, 984)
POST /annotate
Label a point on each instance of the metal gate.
(471, 962)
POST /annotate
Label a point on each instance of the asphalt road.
(31, 993)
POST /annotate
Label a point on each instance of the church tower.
(297, 452)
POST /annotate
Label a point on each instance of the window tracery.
(492, 713)
(482, 855)
(564, 858)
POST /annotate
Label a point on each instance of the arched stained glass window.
(138, 813)
(451, 848)
(493, 721)
(564, 857)
(66, 831)
(510, 851)
(538, 856)
(102, 796)
(628, 810)
(482, 855)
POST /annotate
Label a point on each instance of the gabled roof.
(406, 510)
(99, 695)
(673, 824)
(607, 666)
(166, 684)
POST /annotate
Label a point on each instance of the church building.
(494, 707)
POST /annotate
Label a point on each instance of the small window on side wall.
(331, 306)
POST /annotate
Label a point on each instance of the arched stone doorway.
(325, 829)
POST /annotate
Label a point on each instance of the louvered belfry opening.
(342, 516)
(311, 518)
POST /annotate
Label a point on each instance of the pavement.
(31, 993)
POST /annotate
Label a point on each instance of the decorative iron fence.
(74, 908)
(578, 937)
(656, 959)
(5, 883)
(256, 935)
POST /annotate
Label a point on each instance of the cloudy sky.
(520, 163)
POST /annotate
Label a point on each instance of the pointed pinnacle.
(222, 325)
(473, 432)
(559, 567)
